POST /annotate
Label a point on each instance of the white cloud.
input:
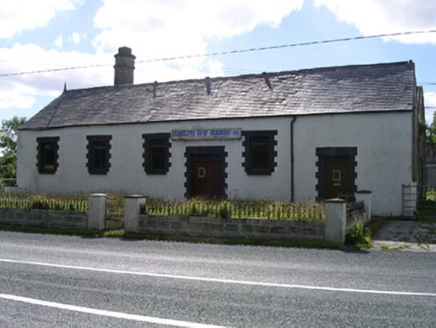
(167, 28)
(15, 99)
(213, 18)
(20, 90)
(19, 15)
(373, 17)
(76, 37)
(59, 41)
(152, 28)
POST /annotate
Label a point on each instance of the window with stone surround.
(156, 153)
(47, 155)
(98, 154)
(259, 155)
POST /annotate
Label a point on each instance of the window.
(156, 153)
(259, 152)
(47, 155)
(98, 154)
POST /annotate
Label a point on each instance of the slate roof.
(362, 88)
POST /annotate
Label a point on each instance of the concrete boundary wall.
(94, 219)
(332, 230)
(339, 221)
(192, 226)
(44, 218)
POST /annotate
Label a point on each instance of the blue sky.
(51, 34)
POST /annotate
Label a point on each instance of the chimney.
(124, 66)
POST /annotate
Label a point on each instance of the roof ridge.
(251, 75)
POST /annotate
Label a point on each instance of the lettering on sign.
(206, 134)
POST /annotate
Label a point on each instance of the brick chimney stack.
(124, 66)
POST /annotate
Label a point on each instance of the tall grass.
(237, 209)
(45, 202)
(271, 210)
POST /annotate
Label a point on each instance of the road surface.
(65, 281)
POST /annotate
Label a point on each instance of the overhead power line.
(231, 52)
(302, 44)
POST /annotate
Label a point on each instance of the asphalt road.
(64, 281)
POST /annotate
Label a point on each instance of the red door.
(206, 179)
(337, 178)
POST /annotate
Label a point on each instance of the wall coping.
(135, 196)
(336, 200)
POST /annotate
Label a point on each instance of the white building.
(298, 135)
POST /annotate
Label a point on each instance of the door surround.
(323, 154)
(215, 154)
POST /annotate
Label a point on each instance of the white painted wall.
(383, 141)
(127, 174)
(384, 148)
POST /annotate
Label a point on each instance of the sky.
(48, 44)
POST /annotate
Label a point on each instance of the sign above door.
(206, 134)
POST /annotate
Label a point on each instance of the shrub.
(359, 235)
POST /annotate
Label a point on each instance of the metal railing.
(419, 202)
(115, 210)
(30, 202)
(238, 209)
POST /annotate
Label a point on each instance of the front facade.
(216, 145)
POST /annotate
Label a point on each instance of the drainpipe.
(292, 157)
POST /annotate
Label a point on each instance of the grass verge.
(319, 244)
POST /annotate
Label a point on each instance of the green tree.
(8, 144)
(431, 134)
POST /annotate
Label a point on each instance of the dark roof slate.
(363, 88)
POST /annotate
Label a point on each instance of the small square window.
(156, 153)
(47, 156)
(259, 152)
(98, 154)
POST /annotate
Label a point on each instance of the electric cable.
(230, 52)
